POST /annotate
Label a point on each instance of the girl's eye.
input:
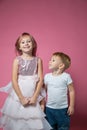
(22, 42)
(28, 41)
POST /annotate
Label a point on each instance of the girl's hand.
(24, 101)
(70, 110)
(32, 100)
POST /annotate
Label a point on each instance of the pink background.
(57, 25)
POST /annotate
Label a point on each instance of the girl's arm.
(23, 100)
(72, 99)
(39, 84)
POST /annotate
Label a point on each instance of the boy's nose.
(49, 62)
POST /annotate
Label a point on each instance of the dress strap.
(36, 59)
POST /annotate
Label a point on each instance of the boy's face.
(55, 62)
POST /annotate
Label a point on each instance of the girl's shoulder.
(39, 59)
(16, 59)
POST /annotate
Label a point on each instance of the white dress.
(14, 115)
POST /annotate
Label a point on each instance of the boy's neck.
(57, 72)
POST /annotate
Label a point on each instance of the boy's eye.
(53, 60)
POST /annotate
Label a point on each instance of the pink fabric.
(27, 67)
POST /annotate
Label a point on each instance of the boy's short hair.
(65, 59)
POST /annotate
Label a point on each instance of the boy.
(58, 83)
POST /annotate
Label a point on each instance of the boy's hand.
(70, 110)
(42, 107)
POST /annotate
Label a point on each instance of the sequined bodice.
(27, 67)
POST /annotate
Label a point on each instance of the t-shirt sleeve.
(69, 79)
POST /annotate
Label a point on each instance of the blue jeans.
(58, 118)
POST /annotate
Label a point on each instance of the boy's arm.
(44, 95)
(71, 99)
(42, 104)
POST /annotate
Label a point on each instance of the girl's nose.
(26, 42)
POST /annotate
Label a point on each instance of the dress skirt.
(17, 117)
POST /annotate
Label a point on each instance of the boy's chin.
(50, 68)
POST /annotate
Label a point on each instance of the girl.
(21, 110)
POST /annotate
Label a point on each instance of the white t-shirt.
(57, 90)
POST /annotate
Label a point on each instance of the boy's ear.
(61, 66)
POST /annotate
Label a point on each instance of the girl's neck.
(26, 56)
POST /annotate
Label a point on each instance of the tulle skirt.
(17, 117)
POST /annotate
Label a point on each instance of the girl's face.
(26, 45)
(55, 62)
